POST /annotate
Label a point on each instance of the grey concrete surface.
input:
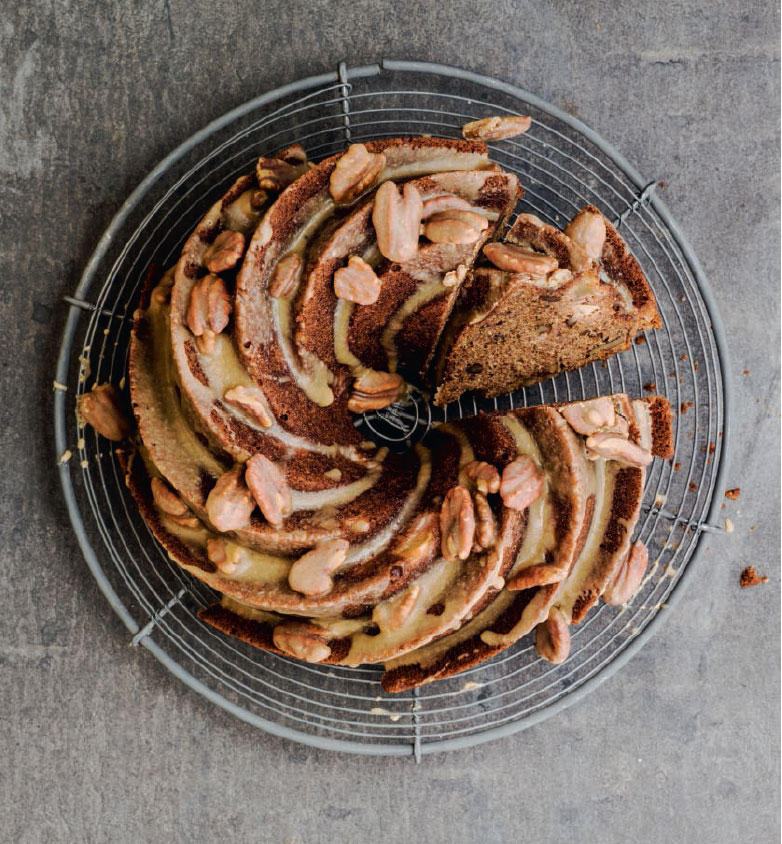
(99, 742)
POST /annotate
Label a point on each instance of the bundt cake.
(311, 293)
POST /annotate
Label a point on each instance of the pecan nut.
(373, 390)
(311, 573)
(496, 128)
(485, 476)
(586, 417)
(101, 409)
(230, 504)
(517, 259)
(613, 446)
(251, 402)
(588, 230)
(208, 310)
(269, 488)
(302, 640)
(225, 252)
(455, 226)
(457, 524)
(357, 282)
(390, 615)
(397, 220)
(285, 278)
(540, 574)
(552, 637)
(226, 555)
(628, 576)
(443, 202)
(485, 523)
(166, 499)
(276, 174)
(522, 483)
(355, 172)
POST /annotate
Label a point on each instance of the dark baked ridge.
(513, 615)
(535, 329)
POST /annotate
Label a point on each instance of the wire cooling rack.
(562, 165)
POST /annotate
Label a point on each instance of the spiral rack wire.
(562, 165)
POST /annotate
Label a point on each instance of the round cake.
(313, 293)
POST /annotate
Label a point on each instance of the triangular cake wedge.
(576, 296)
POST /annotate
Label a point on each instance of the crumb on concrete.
(749, 577)
(650, 387)
(640, 340)
(733, 494)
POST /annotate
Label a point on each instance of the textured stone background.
(99, 742)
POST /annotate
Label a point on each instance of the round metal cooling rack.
(562, 165)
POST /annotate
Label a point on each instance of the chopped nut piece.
(443, 202)
(516, 259)
(208, 310)
(586, 417)
(294, 154)
(166, 499)
(373, 390)
(230, 504)
(357, 282)
(540, 574)
(496, 128)
(485, 476)
(628, 576)
(522, 483)
(225, 253)
(355, 172)
(311, 573)
(301, 639)
(552, 637)
(285, 277)
(613, 446)
(276, 174)
(588, 230)
(454, 226)
(750, 577)
(251, 402)
(391, 614)
(397, 219)
(485, 523)
(269, 488)
(100, 408)
(457, 524)
(225, 555)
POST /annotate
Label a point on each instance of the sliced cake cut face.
(547, 301)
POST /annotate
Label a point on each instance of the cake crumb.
(65, 456)
(470, 685)
(696, 366)
(729, 526)
(749, 577)
(733, 494)
(676, 466)
(684, 406)
(640, 340)
(650, 387)
(745, 372)
(693, 486)
(683, 357)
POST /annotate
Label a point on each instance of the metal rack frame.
(562, 163)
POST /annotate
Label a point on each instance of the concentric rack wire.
(562, 165)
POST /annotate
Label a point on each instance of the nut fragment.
(373, 390)
(285, 277)
(100, 408)
(552, 637)
(208, 310)
(225, 555)
(357, 282)
(356, 171)
(485, 523)
(613, 446)
(166, 499)
(496, 128)
(540, 574)
(628, 576)
(311, 573)
(516, 259)
(485, 476)
(443, 202)
(276, 174)
(302, 640)
(225, 252)
(390, 615)
(588, 230)
(586, 417)
(397, 219)
(294, 154)
(454, 226)
(251, 402)
(457, 524)
(269, 488)
(521, 484)
(230, 503)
